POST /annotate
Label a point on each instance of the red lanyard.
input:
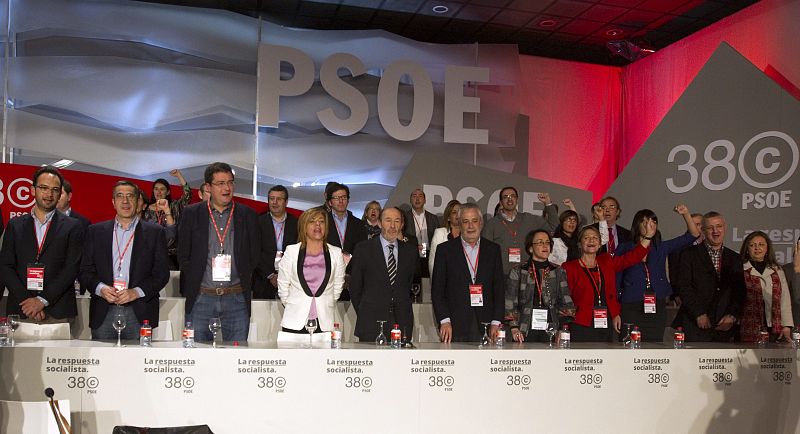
(646, 276)
(279, 234)
(222, 237)
(128, 244)
(511, 232)
(419, 225)
(535, 276)
(477, 259)
(341, 235)
(597, 286)
(40, 244)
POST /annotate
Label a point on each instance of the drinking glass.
(311, 327)
(13, 320)
(416, 291)
(214, 326)
(551, 333)
(381, 339)
(119, 324)
(485, 339)
(626, 340)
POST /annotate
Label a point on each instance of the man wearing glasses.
(615, 234)
(41, 256)
(344, 229)
(138, 269)
(509, 227)
(219, 246)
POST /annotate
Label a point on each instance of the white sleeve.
(559, 254)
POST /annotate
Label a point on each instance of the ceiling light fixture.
(441, 9)
(62, 164)
(548, 23)
(614, 32)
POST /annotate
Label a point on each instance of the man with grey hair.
(509, 227)
(467, 286)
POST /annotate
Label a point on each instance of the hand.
(517, 335)
(617, 321)
(566, 312)
(786, 334)
(162, 205)
(681, 209)
(678, 301)
(39, 316)
(273, 279)
(568, 203)
(31, 307)
(493, 332)
(109, 294)
(725, 323)
(544, 198)
(175, 172)
(126, 296)
(446, 332)
(703, 322)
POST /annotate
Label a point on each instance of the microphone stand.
(61, 422)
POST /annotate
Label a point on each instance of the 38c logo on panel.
(766, 161)
(19, 193)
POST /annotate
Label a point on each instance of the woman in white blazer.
(310, 280)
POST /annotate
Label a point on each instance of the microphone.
(61, 421)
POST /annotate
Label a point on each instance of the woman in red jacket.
(592, 280)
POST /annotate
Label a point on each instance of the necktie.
(392, 265)
(612, 246)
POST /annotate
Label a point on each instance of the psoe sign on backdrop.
(272, 87)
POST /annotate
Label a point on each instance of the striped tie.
(392, 267)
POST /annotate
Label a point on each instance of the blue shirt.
(341, 226)
(40, 231)
(472, 257)
(279, 227)
(633, 279)
(122, 267)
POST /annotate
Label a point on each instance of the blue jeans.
(232, 310)
(106, 330)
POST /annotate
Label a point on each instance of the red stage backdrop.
(91, 193)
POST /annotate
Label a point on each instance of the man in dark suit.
(421, 224)
(344, 229)
(41, 255)
(219, 247)
(674, 260)
(65, 205)
(711, 286)
(467, 286)
(616, 233)
(124, 263)
(380, 280)
(278, 230)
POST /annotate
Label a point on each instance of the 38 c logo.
(763, 163)
(19, 193)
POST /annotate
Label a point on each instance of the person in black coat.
(278, 230)
(381, 279)
(344, 229)
(616, 233)
(711, 286)
(45, 242)
(125, 264)
(467, 287)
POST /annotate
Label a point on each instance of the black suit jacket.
(372, 295)
(354, 234)
(700, 290)
(84, 221)
(450, 288)
(431, 223)
(193, 248)
(61, 256)
(262, 288)
(149, 268)
(623, 236)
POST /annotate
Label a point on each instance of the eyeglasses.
(612, 207)
(45, 189)
(509, 196)
(220, 184)
(540, 243)
(339, 198)
(125, 196)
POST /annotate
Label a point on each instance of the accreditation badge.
(514, 255)
(476, 295)
(35, 275)
(649, 302)
(600, 315)
(221, 268)
(120, 283)
(539, 319)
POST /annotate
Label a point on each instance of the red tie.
(612, 246)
